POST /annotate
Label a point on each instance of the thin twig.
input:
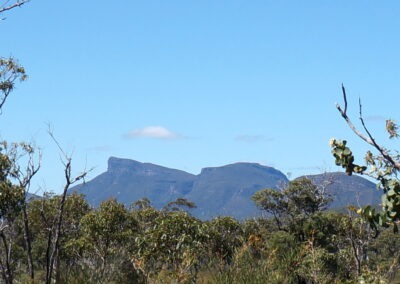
(344, 98)
(50, 132)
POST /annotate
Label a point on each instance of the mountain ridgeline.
(216, 191)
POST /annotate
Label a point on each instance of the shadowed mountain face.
(225, 190)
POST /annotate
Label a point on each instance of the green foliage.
(11, 200)
(10, 72)
(12, 190)
(42, 221)
(141, 204)
(344, 157)
(101, 252)
(291, 206)
(317, 265)
(272, 201)
(392, 128)
(111, 244)
(109, 223)
(174, 243)
(225, 236)
(179, 204)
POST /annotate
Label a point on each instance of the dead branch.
(348, 121)
(367, 138)
(381, 150)
(53, 245)
(12, 6)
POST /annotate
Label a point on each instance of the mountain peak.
(116, 164)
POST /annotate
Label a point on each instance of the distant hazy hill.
(225, 190)
(348, 190)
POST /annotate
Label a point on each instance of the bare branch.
(17, 4)
(381, 150)
(3, 101)
(31, 170)
(369, 139)
(345, 99)
(54, 239)
(349, 122)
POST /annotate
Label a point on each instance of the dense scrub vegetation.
(141, 244)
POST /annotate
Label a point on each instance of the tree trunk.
(6, 269)
(27, 237)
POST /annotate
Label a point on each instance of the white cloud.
(156, 132)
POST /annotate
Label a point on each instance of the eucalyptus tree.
(19, 163)
(173, 246)
(292, 205)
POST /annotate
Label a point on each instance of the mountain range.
(216, 191)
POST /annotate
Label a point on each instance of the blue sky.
(191, 84)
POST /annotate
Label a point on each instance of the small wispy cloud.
(155, 132)
(252, 138)
(310, 168)
(379, 118)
